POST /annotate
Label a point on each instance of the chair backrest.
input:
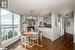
(23, 38)
(34, 35)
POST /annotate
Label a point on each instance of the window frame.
(12, 25)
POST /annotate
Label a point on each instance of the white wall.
(47, 32)
(57, 29)
(70, 29)
(74, 27)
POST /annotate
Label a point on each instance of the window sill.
(10, 41)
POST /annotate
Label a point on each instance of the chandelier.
(31, 13)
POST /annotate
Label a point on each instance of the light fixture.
(3, 3)
(31, 17)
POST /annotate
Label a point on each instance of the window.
(10, 24)
(16, 24)
(6, 17)
(6, 24)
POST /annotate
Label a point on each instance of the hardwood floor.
(46, 42)
(65, 42)
(73, 46)
(13, 45)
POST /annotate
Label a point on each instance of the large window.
(10, 24)
(16, 24)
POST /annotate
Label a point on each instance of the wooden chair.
(25, 40)
(41, 35)
(34, 37)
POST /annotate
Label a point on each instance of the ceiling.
(40, 7)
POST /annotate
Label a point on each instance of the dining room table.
(30, 34)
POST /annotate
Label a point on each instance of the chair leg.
(37, 41)
(41, 38)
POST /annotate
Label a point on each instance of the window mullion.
(0, 20)
(0, 26)
(13, 23)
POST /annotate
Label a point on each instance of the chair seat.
(34, 38)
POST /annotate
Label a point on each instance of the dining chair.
(24, 41)
(34, 37)
(41, 35)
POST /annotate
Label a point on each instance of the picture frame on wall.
(40, 24)
(68, 23)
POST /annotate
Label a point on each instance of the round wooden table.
(30, 34)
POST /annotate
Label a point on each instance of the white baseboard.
(53, 39)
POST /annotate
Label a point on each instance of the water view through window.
(10, 24)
